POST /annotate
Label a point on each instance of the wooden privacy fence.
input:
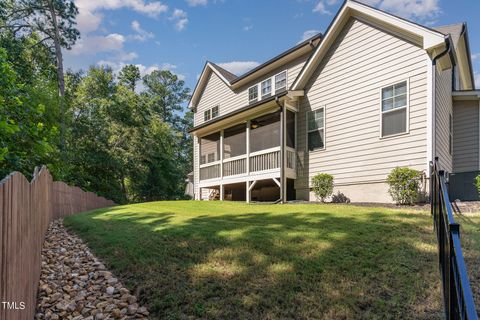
(26, 210)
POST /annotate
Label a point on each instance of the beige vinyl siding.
(443, 101)
(348, 83)
(217, 92)
(465, 136)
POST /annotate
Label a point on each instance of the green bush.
(477, 183)
(404, 185)
(322, 185)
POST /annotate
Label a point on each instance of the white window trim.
(407, 126)
(324, 129)
(286, 80)
(272, 88)
(209, 115)
(218, 111)
(258, 93)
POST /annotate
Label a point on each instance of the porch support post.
(247, 196)
(283, 193)
(222, 192)
(221, 155)
(248, 148)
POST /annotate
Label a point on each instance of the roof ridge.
(227, 74)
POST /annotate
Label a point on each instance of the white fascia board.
(431, 38)
(202, 82)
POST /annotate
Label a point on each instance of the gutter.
(282, 151)
(434, 93)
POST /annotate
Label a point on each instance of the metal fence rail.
(457, 294)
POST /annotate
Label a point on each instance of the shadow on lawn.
(272, 266)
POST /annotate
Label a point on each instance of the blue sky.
(179, 35)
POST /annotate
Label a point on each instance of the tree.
(129, 76)
(165, 95)
(54, 22)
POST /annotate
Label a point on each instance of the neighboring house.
(373, 93)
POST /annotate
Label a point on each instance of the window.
(281, 81)
(206, 115)
(215, 112)
(253, 94)
(266, 88)
(394, 109)
(450, 134)
(211, 157)
(316, 129)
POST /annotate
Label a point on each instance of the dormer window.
(207, 115)
(266, 88)
(253, 94)
(281, 81)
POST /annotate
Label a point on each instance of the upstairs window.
(253, 94)
(394, 109)
(207, 115)
(316, 129)
(215, 112)
(281, 81)
(266, 88)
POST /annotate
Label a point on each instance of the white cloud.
(248, 27)
(141, 35)
(89, 18)
(332, 2)
(195, 3)
(320, 8)
(180, 18)
(475, 56)
(127, 56)
(239, 67)
(410, 9)
(477, 80)
(308, 34)
(95, 44)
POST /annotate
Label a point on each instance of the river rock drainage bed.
(76, 285)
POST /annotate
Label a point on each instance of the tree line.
(122, 135)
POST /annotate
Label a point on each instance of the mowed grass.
(224, 260)
(470, 236)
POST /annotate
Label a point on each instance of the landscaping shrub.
(477, 183)
(322, 185)
(340, 197)
(404, 185)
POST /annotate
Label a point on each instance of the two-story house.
(373, 93)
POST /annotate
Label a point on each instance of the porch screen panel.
(290, 129)
(210, 148)
(235, 141)
(265, 132)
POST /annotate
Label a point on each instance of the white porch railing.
(263, 160)
(234, 166)
(210, 170)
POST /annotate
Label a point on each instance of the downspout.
(282, 151)
(434, 94)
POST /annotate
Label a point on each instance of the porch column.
(247, 195)
(221, 154)
(248, 149)
(222, 192)
(283, 191)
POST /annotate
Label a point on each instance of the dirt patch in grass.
(217, 260)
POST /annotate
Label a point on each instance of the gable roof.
(459, 34)
(233, 81)
(429, 39)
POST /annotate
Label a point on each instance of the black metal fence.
(457, 294)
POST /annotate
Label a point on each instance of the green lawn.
(470, 235)
(224, 260)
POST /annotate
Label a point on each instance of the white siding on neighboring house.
(348, 84)
(443, 100)
(465, 136)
